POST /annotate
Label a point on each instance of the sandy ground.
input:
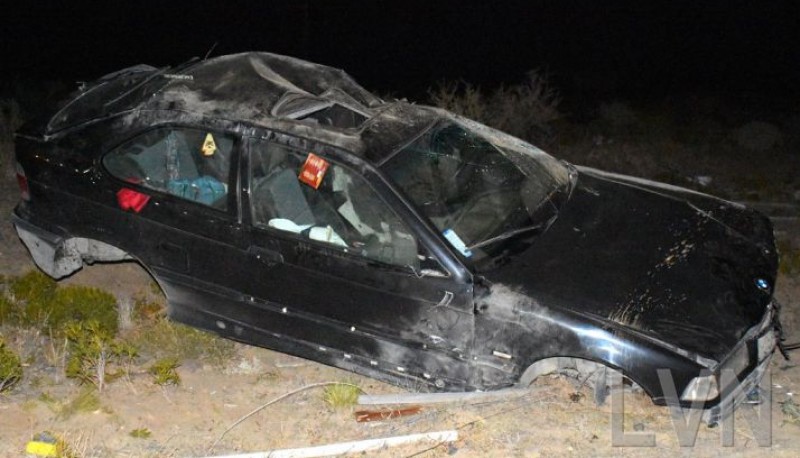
(186, 420)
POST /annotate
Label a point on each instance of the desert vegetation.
(78, 326)
(101, 372)
(742, 152)
(52, 334)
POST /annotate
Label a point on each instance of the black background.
(591, 49)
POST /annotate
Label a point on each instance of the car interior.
(343, 211)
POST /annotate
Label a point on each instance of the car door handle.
(266, 256)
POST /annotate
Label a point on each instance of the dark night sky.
(594, 49)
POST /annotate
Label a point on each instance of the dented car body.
(280, 204)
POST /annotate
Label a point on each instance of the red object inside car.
(129, 199)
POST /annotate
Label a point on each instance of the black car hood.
(680, 266)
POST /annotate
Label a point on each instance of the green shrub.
(32, 286)
(36, 300)
(146, 310)
(790, 410)
(95, 356)
(164, 373)
(166, 339)
(341, 395)
(140, 433)
(10, 367)
(83, 303)
(32, 292)
(86, 400)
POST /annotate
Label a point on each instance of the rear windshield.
(92, 102)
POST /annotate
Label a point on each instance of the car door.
(180, 182)
(345, 274)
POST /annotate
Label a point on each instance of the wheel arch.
(587, 371)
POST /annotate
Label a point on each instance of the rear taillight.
(22, 180)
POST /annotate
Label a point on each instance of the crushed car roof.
(254, 87)
(265, 89)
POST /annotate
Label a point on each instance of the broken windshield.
(481, 189)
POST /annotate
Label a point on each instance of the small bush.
(86, 400)
(525, 110)
(41, 303)
(147, 310)
(166, 339)
(10, 367)
(32, 291)
(140, 433)
(341, 395)
(791, 411)
(462, 98)
(95, 356)
(84, 303)
(32, 286)
(164, 373)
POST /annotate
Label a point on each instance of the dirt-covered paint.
(618, 272)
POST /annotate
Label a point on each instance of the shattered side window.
(189, 163)
(302, 193)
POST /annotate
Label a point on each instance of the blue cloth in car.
(204, 189)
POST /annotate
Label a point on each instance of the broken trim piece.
(440, 398)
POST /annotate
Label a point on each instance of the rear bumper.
(45, 248)
(59, 255)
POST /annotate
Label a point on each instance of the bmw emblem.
(762, 284)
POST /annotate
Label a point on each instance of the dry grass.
(163, 338)
(341, 395)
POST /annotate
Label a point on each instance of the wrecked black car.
(280, 204)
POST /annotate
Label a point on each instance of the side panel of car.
(67, 185)
(354, 286)
(365, 308)
(511, 339)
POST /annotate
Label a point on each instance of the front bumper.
(737, 395)
(742, 371)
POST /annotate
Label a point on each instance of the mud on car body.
(280, 204)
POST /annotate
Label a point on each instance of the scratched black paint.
(630, 274)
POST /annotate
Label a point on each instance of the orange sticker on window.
(313, 170)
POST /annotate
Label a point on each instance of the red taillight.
(128, 199)
(22, 180)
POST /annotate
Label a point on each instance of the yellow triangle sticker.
(209, 146)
